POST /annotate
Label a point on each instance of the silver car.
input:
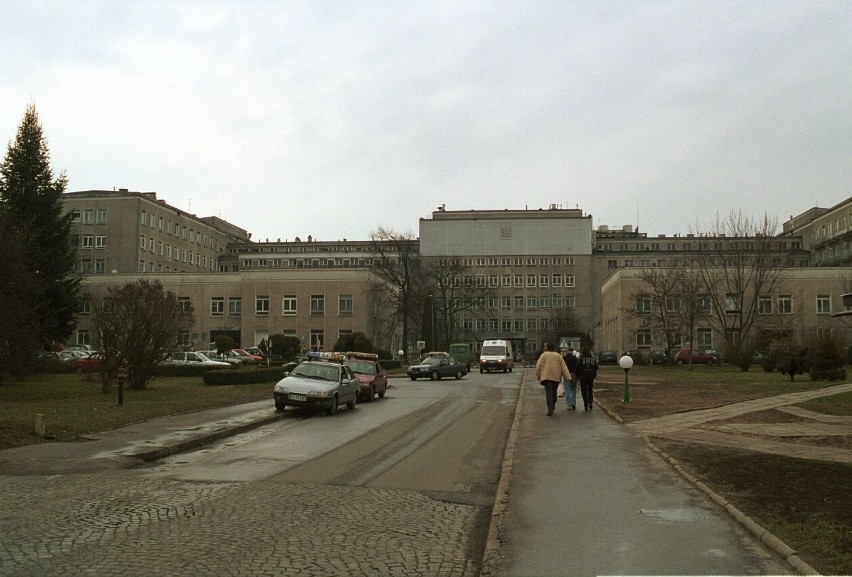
(312, 383)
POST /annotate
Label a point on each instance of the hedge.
(244, 376)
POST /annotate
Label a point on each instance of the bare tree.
(739, 262)
(398, 268)
(137, 323)
(452, 290)
(661, 303)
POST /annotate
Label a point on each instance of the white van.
(496, 355)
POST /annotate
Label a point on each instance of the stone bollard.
(40, 425)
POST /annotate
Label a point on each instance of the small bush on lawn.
(244, 376)
(184, 370)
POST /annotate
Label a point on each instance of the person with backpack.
(571, 384)
(587, 370)
(549, 369)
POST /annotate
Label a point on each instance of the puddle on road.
(675, 514)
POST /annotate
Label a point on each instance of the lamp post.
(626, 363)
(401, 355)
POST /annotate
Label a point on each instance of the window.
(492, 324)
(531, 324)
(823, 304)
(703, 304)
(612, 263)
(557, 301)
(733, 303)
(317, 339)
(705, 337)
(643, 304)
(764, 305)
(317, 304)
(519, 325)
(506, 280)
(85, 305)
(75, 216)
(344, 304)
(184, 305)
(88, 241)
(261, 304)
(506, 325)
(480, 324)
(143, 218)
(643, 339)
(100, 241)
(83, 337)
(217, 306)
(493, 281)
(530, 280)
(88, 216)
(519, 302)
(493, 303)
(288, 305)
(672, 304)
(519, 281)
(86, 266)
(101, 216)
(100, 265)
(506, 303)
(531, 302)
(569, 303)
(544, 303)
(235, 306)
(543, 280)
(557, 280)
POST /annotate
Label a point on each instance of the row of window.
(662, 262)
(175, 229)
(88, 240)
(511, 261)
(505, 325)
(89, 216)
(703, 246)
(175, 253)
(766, 305)
(289, 305)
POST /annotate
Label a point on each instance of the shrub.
(827, 358)
(244, 376)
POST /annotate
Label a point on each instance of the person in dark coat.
(570, 358)
(587, 370)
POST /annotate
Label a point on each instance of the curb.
(160, 452)
(769, 539)
(491, 555)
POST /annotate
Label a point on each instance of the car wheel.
(332, 406)
(710, 362)
(481, 370)
(435, 375)
(679, 361)
(382, 392)
(413, 378)
(459, 374)
(510, 369)
(279, 406)
(369, 396)
(351, 404)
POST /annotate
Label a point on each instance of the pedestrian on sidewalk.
(587, 370)
(570, 358)
(549, 370)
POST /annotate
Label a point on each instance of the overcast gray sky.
(334, 118)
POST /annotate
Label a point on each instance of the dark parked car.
(607, 358)
(686, 356)
(91, 363)
(659, 357)
(435, 366)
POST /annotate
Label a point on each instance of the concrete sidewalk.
(580, 494)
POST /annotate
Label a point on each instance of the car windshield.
(432, 361)
(493, 350)
(312, 371)
(362, 367)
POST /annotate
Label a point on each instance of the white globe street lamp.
(626, 363)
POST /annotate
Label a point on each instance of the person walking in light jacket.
(549, 370)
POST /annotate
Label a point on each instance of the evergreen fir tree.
(31, 203)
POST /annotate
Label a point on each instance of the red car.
(91, 363)
(687, 356)
(371, 375)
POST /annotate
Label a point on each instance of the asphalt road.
(401, 485)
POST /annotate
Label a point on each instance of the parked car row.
(328, 380)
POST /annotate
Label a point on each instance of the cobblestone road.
(123, 524)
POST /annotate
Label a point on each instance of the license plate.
(293, 397)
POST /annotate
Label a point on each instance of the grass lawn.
(804, 502)
(74, 405)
